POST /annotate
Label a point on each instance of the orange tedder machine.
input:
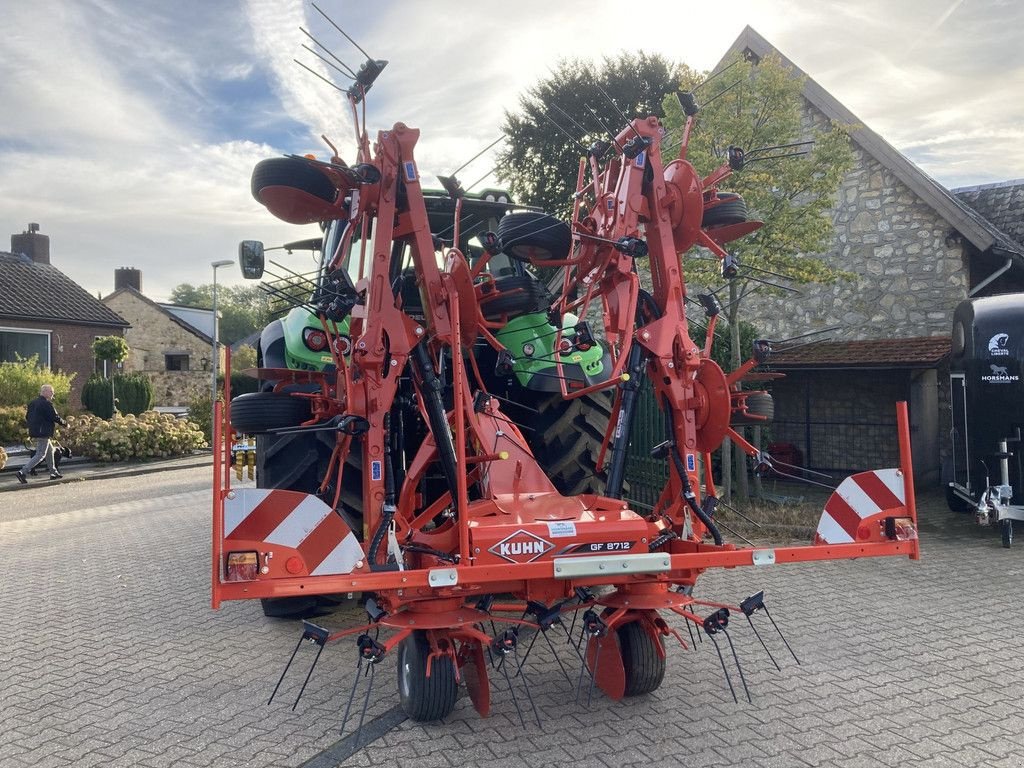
(457, 539)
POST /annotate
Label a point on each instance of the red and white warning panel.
(858, 509)
(294, 533)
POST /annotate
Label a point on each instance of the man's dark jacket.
(41, 417)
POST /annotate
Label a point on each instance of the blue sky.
(129, 128)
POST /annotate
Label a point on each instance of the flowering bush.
(13, 429)
(3, 458)
(147, 436)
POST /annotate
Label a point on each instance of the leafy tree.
(541, 161)
(760, 106)
(110, 348)
(243, 309)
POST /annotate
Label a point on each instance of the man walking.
(42, 417)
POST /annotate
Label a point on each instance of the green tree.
(541, 159)
(243, 309)
(760, 106)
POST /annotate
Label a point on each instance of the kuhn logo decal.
(997, 345)
(521, 547)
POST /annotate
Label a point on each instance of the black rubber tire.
(758, 404)
(423, 698)
(538, 234)
(291, 172)
(732, 211)
(566, 437)
(644, 665)
(523, 294)
(258, 412)
(956, 503)
(1006, 531)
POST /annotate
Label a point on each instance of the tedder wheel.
(643, 658)
(527, 234)
(566, 437)
(517, 295)
(291, 172)
(1006, 526)
(424, 698)
(732, 210)
(955, 502)
(258, 412)
(758, 404)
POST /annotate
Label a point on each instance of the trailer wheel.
(643, 658)
(539, 235)
(956, 503)
(259, 412)
(1006, 526)
(566, 436)
(424, 698)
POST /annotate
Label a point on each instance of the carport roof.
(916, 352)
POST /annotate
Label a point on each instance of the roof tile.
(32, 291)
(916, 352)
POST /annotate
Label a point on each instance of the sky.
(129, 128)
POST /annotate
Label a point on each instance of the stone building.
(171, 345)
(915, 251)
(44, 312)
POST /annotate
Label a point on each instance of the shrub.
(97, 398)
(134, 393)
(13, 429)
(150, 435)
(3, 458)
(240, 384)
(20, 382)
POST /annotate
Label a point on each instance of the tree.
(544, 145)
(759, 106)
(243, 309)
(112, 349)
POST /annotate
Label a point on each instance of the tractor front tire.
(424, 698)
(643, 658)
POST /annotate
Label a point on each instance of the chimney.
(32, 244)
(127, 277)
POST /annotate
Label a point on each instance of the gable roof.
(1001, 203)
(979, 232)
(915, 352)
(41, 292)
(171, 316)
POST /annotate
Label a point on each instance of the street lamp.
(216, 328)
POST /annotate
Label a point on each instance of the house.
(172, 345)
(44, 312)
(916, 251)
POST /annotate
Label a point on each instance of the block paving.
(111, 656)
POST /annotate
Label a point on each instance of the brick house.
(44, 312)
(172, 345)
(916, 251)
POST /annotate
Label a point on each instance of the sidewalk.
(78, 469)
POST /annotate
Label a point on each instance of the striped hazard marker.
(858, 498)
(296, 520)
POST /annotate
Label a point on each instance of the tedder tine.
(763, 645)
(314, 634)
(756, 603)
(739, 668)
(371, 652)
(782, 636)
(503, 645)
(526, 687)
(351, 695)
(285, 671)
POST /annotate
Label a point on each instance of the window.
(176, 362)
(22, 342)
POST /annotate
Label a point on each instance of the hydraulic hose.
(688, 494)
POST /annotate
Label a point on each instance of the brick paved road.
(110, 656)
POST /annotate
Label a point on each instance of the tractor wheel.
(566, 437)
(956, 503)
(732, 210)
(258, 412)
(527, 234)
(424, 698)
(758, 404)
(291, 172)
(1006, 527)
(643, 658)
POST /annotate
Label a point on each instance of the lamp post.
(216, 329)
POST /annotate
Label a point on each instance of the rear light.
(564, 346)
(315, 339)
(900, 529)
(242, 566)
(343, 345)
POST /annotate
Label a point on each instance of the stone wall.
(906, 278)
(152, 335)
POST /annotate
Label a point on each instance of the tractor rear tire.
(259, 412)
(758, 404)
(424, 698)
(565, 437)
(643, 658)
(539, 235)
